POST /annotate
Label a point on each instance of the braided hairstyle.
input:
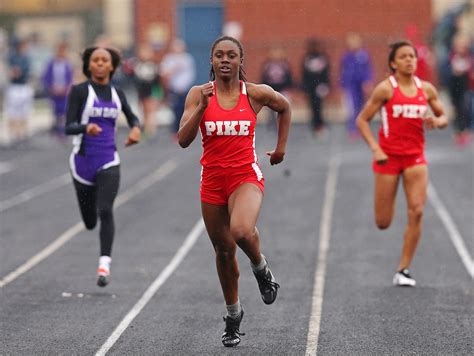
(242, 74)
(86, 57)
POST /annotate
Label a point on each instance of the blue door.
(199, 25)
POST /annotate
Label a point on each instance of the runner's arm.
(380, 95)
(440, 121)
(196, 103)
(76, 101)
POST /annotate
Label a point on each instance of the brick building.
(287, 22)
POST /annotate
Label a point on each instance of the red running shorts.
(397, 164)
(217, 184)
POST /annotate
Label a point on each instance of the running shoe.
(403, 279)
(267, 285)
(103, 276)
(232, 334)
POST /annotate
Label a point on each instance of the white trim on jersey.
(244, 88)
(393, 81)
(91, 96)
(418, 82)
(115, 162)
(76, 176)
(383, 114)
(116, 99)
(255, 158)
(258, 171)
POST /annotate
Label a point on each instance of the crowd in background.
(30, 70)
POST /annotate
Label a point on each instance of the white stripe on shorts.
(76, 176)
(258, 171)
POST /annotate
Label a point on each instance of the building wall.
(291, 22)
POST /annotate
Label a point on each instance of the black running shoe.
(102, 281)
(232, 334)
(103, 276)
(267, 285)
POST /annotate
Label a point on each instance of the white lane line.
(320, 274)
(35, 191)
(145, 183)
(5, 167)
(154, 287)
(452, 230)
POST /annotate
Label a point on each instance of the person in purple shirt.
(92, 111)
(57, 80)
(356, 80)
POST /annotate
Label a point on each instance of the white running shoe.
(103, 271)
(403, 279)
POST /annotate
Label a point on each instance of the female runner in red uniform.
(403, 101)
(225, 112)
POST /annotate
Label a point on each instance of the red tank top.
(228, 136)
(402, 131)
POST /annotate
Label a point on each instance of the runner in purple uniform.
(93, 108)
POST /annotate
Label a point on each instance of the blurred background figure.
(145, 76)
(178, 71)
(39, 53)
(356, 80)
(470, 96)
(425, 63)
(57, 79)
(3, 62)
(315, 81)
(276, 72)
(445, 31)
(18, 101)
(461, 62)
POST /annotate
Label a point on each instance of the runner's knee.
(242, 233)
(415, 212)
(224, 252)
(90, 223)
(383, 222)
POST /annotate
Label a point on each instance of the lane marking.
(187, 245)
(29, 194)
(320, 274)
(5, 167)
(145, 183)
(452, 229)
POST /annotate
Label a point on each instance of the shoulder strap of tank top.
(393, 81)
(244, 87)
(418, 82)
(116, 98)
(91, 91)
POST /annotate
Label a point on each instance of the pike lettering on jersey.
(227, 128)
(104, 112)
(410, 111)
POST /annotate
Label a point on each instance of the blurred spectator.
(178, 71)
(276, 70)
(356, 80)
(144, 72)
(3, 61)
(315, 79)
(57, 79)
(39, 54)
(470, 96)
(443, 36)
(461, 62)
(18, 101)
(425, 60)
